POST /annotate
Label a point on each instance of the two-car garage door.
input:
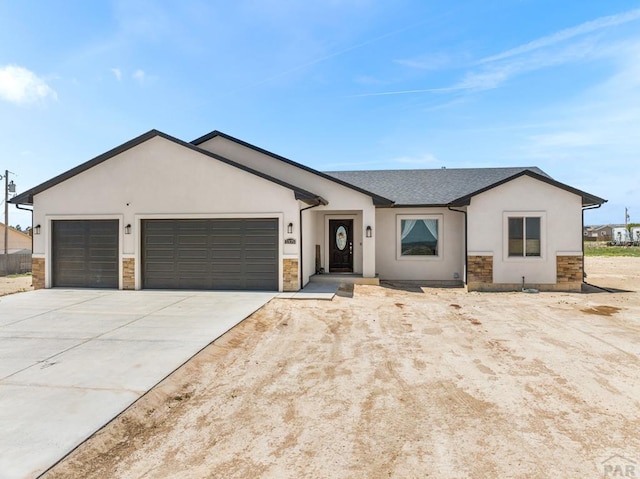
(210, 254)
(236, 254)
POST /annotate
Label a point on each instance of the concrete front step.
(346, 278)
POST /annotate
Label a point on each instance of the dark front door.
(340, 246)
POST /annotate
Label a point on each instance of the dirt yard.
(16, 284)
(399, 382)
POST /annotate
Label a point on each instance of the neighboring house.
(19, 242)
(601, 232)
(219, 213)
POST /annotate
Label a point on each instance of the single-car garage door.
(85, 253)
(212, 254)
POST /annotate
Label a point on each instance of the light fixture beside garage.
(369, 232)
(290, 228)
(127, 229)
(36, 230)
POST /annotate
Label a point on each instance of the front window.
(524, 235)
(418, 236)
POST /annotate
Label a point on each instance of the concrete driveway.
(71, 360)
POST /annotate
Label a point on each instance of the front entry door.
(340, 246)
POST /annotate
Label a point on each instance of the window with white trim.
(525, 236)
(418, 236)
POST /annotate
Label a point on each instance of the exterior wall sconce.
(127, 229)
(369, 232)
(36, 230)
(290, 228)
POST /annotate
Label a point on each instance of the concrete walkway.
(71, 360)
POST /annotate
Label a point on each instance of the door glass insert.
(341, 238)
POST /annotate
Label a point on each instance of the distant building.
(600, 232)
(19, 242)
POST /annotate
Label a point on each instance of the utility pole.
(8, 188)
(6, 215)
(626, 217)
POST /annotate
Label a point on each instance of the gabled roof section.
(435, 187)
(378, 200)
(446, 186)
(587, 198)
(26, 198)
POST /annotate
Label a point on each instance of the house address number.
(290, 241)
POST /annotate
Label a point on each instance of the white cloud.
(22, 87)
(117, 73)
(562, 35)
(551, 50)
(493, 75)
(139, 75)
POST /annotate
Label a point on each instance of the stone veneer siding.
(290, 275)
(37, 273)
(569, 271)
(129, 273)
(479, 272)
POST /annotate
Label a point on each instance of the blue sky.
(334, 84)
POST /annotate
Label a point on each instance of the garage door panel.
(160, 240)
(187, 269)
(191, 254)
(154, 267)
(211, 254)
(193, 241)
(85, 253)
(159, 254)
(226, 256)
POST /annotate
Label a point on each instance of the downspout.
(594, 207)
(31, 211)
(301, 250)
(466, 255)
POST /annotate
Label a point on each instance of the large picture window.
(418, 236)
(524, 236)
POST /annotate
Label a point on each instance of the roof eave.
(420, 205)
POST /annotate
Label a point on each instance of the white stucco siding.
(157, 179)
(561, 213)
(444, 267)
(341, 198)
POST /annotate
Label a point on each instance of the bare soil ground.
(17, 284)
(397, 381)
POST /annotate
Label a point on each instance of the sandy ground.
(401, 382)
(14, 285)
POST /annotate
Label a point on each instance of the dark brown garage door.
(85, 253)
(212, 254)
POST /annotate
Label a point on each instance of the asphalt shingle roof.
(429, 187)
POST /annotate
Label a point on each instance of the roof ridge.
(377, 199)
(439, 169)
(26, 197)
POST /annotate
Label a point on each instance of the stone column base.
(128, 273)
(290, 275)
(37, 273)
(479, 273)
